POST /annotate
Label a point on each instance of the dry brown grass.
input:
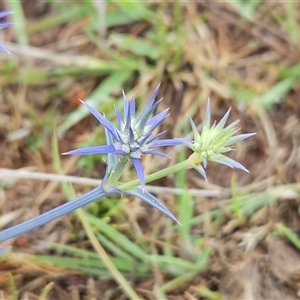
(222, 53)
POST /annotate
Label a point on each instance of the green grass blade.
(113, 248)
(78, 263)
(118, 238)
(70, 13)
(274, 94)
(172, 265)
(246, 9)
(177, 281)
(187, 276)
(206, 293)
(72, 250)
(136, 10)
(18, 19)
(288, 233)
(292, 24)
(235, 197)
(135, 45)
(33, 77)
(46, 290)
(12, 288)
(185, 207)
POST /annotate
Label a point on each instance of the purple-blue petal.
(204, 161)
(92, 150)
(167, 142)
(150, 199)
(145, 138)
(133, 149)
(3, 250)
(201, 171)
(5, 13)
(2, 48)
(156, 120)
(119, 152)
(132, 108)
(153, 95)
(143, 117)
(139, 170)
(126, 104)
(131, 135)
(119, 137)
(5, 24)
(127, 116)
(149, 104)
(111, 158)
(112, 129)
(156, 136)
(153, 152)
(188, 143)
(119, 118)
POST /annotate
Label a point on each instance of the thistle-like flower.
(213, 141)
(134, 135)
(4, 25)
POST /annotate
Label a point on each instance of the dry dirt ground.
(249, 261)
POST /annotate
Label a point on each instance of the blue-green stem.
(116, 174)
(53, 214)
(19, 22)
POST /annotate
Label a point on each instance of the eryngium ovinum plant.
(127, 142)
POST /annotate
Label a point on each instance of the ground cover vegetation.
(238, 237)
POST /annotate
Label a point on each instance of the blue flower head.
(4, 25)
(133, 137)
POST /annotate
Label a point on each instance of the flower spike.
(213, 141)
(133, 136)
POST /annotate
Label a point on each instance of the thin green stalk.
(46, 290)
(117, 173)
(184, 165)
(19, 22)
(105, 258)
(12, 287)
(287, 232)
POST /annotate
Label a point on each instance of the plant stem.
(184, 165)
(52, 214)
(115, 175)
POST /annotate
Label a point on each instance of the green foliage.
(122, 59)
